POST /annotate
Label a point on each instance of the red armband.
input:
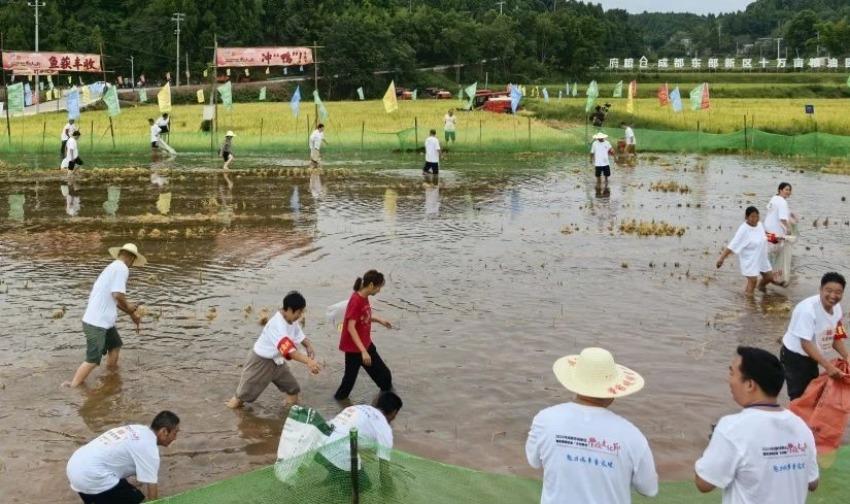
(286, 347)
(840, 333)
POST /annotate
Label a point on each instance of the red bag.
(825, 407)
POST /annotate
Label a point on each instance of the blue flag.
(516, 96)
(545, 95)
(676, 100)
(74, 104)
(27, 94)
(295, 102)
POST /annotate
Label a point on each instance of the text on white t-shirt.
(811, 322)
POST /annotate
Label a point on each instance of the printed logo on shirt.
(840, 333)
(594, 461)
(590, 443)
(788, 450)
(829, 336)
(798, 466)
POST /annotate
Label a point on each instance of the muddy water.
(484, 289)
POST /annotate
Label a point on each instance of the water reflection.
(163, 203)
(16, 207)
(295, 201)
(432, 198)
(316, 188)
(72, 199)
(113, 196)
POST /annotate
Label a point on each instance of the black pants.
(378, 371)
(122, 493)
(800, 370)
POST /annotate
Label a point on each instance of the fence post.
(745, 133)
(529, 132)
(817, 144)
(308, 131)
(91, 137)
(355, 482)
(699, 140)
(415, 133)
(479, 133)
(261, 131)
(112, 132)
(43, 133)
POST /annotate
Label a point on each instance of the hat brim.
(600, 136)
(627, 381)
(140, 259)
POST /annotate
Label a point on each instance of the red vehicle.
(492, 101)
(438, 94)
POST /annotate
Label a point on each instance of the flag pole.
(213, 101)
(8, 125)
(103, 67)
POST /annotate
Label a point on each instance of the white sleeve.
(644, 477)
(812, 470)
(719, 462)
(739, 241)
(783, 210)
(593, 147)
(119, 280)
(532, 445)
(147, 464)
(802, 324)
(299, 335)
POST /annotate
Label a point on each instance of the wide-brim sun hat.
(230, 134)
(600, 136)
(131, 248)
(593, 373)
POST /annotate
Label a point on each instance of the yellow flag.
(164, 98)
(200, 96)
(86, 92)
(390, 100)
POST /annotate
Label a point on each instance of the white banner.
(715, 63)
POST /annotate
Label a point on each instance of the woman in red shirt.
(356, 337)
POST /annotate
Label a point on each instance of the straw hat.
(600, 136)
(593, 373)
(229, 133)
(131, 248)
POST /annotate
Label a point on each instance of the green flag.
(618, 90)
(413, 96)
(360, 94)
(263, 93)
(226, 92)
(15, 97)
(323, 112)
(110, 98)
(592, 93)
(696, 97)
(470, 93)
(848, 81)
(575, 89)
(143, 96)
(460, 93)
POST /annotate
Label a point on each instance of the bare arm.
(814, 485)
(384, 322)
(702, 485)
(306, 360)
(814, 352)
(311, 352)
(151, 491)
(127, 307)
(839, 347)
(723, 255)
(352, 330)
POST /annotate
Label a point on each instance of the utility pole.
(178, 17)
(131, 59)
(501, 5)
(36, 91)
(316, 48)
(777, 48)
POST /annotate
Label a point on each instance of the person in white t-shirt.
(277, 343)
(98, 471)
(67, 132)
(72, 154)
(600, 150)
(107, 296)
(816, 328)
(588, 453)
(629, 138)
(450, 126)
(373, 430)
(317, 139)
(765, 453)
(433, 153)
(750, 245)
(779, 217)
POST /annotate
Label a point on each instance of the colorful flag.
(295, 102)
(323, 112)
(27, 93)
(86, 93)
(618, 90)
(699, 97)
(545, 95)
(206, 72)
(73, 104)
(143, 96)
(413, 96)
(226, 93)
(575, 89)
(360, 94)
(516, 96)
(470, 93)
(630, 103)
(263, 93)
(163, 98)
(560, 94)
(592, 93)
(663, 95)
(15, 96)
(200, 95)
(676, 100)
(390, 100)
(848, 81)
(110, 98)
(247, 72)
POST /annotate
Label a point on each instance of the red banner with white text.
(263, 56)
(29, 63)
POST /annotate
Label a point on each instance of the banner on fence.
(226, 93)
(15, 96)
(73, 104)
(110, 98)
(263, 56)
(30, 63)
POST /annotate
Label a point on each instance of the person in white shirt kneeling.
(765, 453)
(588, 453)
(98, 471)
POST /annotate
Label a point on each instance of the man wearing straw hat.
(588, 453)
(107, 296)
(600, 151)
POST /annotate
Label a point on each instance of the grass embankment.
(270, 126)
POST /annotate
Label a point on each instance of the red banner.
(262, 56)
(663, 95)
(28, 63)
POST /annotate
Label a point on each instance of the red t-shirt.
(360, 311)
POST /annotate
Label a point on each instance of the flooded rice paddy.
(505, 266)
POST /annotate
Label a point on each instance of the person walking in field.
(450, 126)
(108, 295)
(750, 245)
(433, 153)
(227, 149)
(157, 142)
(72, 154)
(356, 337)
(317, 139)
(629, 138)
(67, 132)
(278, 342)
(600, 152)
(779, 224)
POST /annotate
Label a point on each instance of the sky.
(695, 6)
